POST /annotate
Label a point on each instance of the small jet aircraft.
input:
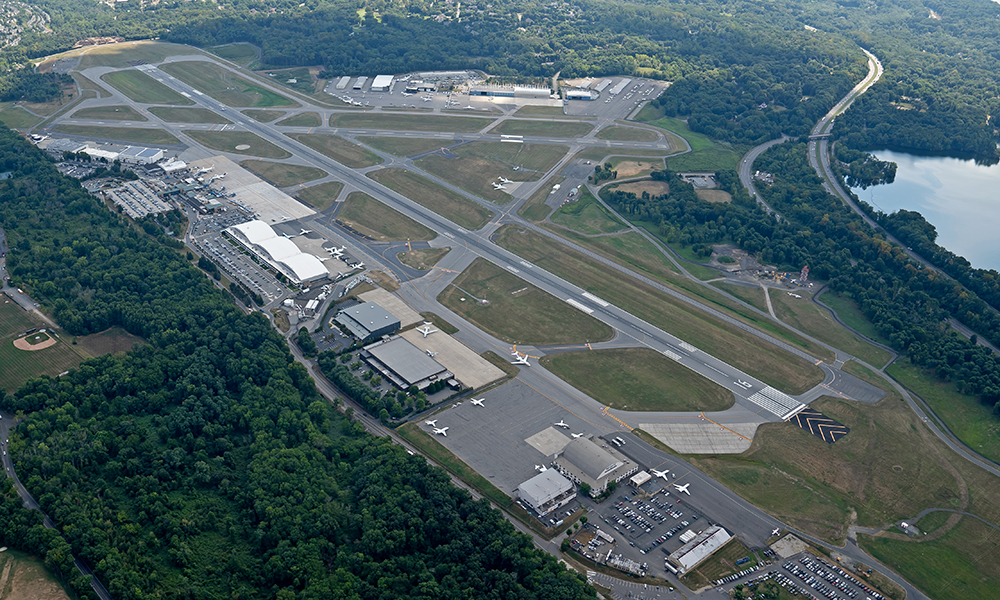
(325, 259)
(426, 329)
(504, 180)
(305, 231)
(431, 423)
(470, 107)
(540, 468)
(479, 402)
(443, 431)
(576, 435)
(561, 424)
(680, 488)
(431, 354)
(522, 359)
(499, 186)
(336, 252)
(776, 531)
(662, 474)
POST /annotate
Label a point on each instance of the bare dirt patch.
(26, 578)
(655, 188)
(26, 345)
(714, 195)
(632, 168)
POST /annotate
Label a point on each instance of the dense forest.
(907, 304)
(204, 464)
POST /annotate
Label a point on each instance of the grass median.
(282, 174)
(407, 122)
(109, 113)
(339, 149)
(140, 135)
(404, 146)
(454, 207)
(239, 142)
(380, 222)
(188, 115)
(540, 128)
(587, 216)
(224, 85)
(143, 88)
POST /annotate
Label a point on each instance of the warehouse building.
(278, 251)
(581, 95)
(342, 84)
(691, 554)
(546, 492)
(584, 461)
(59, 146)
(510, 91)
(367, 321)
(360, 83)
(137, 155)
(416, 86)
(403, 364)
(382, 83)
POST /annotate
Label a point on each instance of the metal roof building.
(62, 145)
(546, 492)
(584, 461)
(381, 83)
(691, 554)
(278, 251)
(510, 91)
(368, 321)
(404, 364)
(140, 155)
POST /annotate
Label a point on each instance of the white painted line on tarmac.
(596, 300)
(580, 306)
(688, 347)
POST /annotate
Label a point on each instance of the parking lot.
(240, 267)
(809, 576)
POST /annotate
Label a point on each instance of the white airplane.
(336, 252)
(504, 180)
(540, 468)
(662, 474)
(325, 259)
(305, 231)
(443, 431)
(426, 329)
(576, 435)
(522, 359)
(680, 488)
(479, 402)
(470, 107)
(426, 99)
(431, 423)
(561, 424)
(776, 531)
(499, 186)
(431, 354)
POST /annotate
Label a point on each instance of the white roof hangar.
(691, 554)
(584, 461)
(278, 251)
(381, 83)
(546, 492)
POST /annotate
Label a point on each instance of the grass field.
(143, 88)
(109, 113)
(224, 86)
(563, 129)
(587, 216)
(540, 111)
(380, 222)
(306, 119)
(714, 196)
(401, 122)
(705, 155)
(87, 84)
(754, 296)
(535, 208)
(21, 365)
(26, 577)
(322, 196)
(959, 566)
(399, 146)
(339, 149)
(518, 312)
(109, 341)
(721, 564)
(969, 419)
(127, 134)
(422, 259)
(813, 320)
(603, 153)
(240, 53)
(303, 76)
(171, 114)
(631, 167)
(653, 188)
(263, 116)
(281, 174)
(16, 117)
(478, 164)
(849, 312)
(454, 207)
(227, 141)
(626, 134)
(722, 340)
(122, 55)
(637, 379)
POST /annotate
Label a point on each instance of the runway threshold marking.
(726, 428)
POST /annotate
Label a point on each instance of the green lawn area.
(754, 296)
(380, 222)
(143, 88)
(969, 419)
(705, 155)
(263, 116)
(479, 164)
(16, 117)
(126, 134)
(229, 141)
(86, 84)
(454, 207)
(535, 208)
(721, 564)
(626, 134)
(960, 565)
(339, 149)
(638, 379)
(587, 216)
(21, 365)
(304, 82)
(171, 114)
(123, 55)
(565, 129)
(225, 86)
(422, 259)
(401, 146)
(109, 113)
(282, 174)
(306, 119)
(322, 196)
(850, 313)
(240, 53)
(518, 312)
(404, 122)
(716, 337)
(539, 111)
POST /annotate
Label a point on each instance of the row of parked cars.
(736, 576)
(830, 572)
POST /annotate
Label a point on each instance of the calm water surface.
(960, 198)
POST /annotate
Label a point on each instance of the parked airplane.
(680, 488)
(336, 252)
(662, 474)
(305, 231)
(443, 431)
(479, 402)
(522, 359)
(470, 107)
(776, 531)
(426, 329)
(431, 423)
(540, 468)
(561, 424)
(499, 186)
(576, 435)
(325, 259)
(504, 179)
(431, 354)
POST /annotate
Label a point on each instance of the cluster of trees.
(390, 404)
(205, 463)
(864, 169)
(604, 173)
(907, 304)
(25, 84)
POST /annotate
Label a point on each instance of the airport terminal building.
(278, 251)
(584, 461)
(546, 492)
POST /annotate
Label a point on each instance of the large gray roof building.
(546, 492)
(691, 554)
(404, 364)
(584, 461)
(367, 321)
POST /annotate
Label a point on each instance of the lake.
(960, 198)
